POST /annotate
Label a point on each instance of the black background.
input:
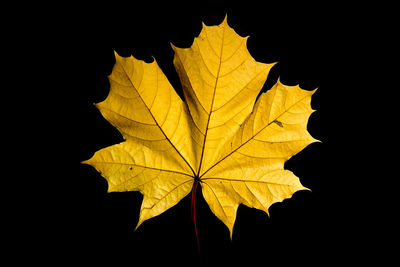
(315, 46)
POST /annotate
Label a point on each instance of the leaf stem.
(193, 212)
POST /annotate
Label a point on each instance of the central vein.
(212, 102)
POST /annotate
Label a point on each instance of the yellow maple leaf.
(220, 137)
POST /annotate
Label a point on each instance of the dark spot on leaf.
(130, 168)
(278, 122)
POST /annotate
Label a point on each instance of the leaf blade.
(136, 107)
(259, 150)
(221, 82)
(130, 167)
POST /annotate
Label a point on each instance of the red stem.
(193, 213)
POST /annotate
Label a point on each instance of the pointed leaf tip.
(116, 55)
(84, 162)
(225, 21)
(138, 224)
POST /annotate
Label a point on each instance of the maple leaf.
(220, 137)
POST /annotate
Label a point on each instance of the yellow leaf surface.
(220, 137)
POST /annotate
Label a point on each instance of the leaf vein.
(169, 192)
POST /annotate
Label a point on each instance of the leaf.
(220, 137)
